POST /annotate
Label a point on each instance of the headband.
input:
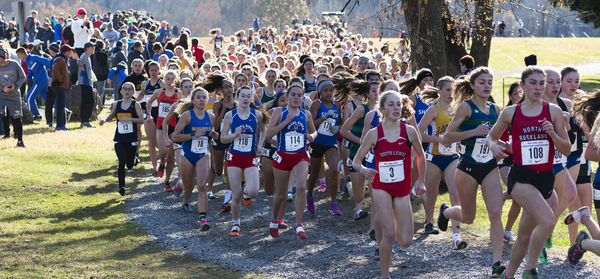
(323, 83)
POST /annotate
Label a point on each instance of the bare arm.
(345, 129)
(413, 136)
(430, 114)
(227, 137)
(503, 122)
(369, 141)
(113, 113)
(184, 120)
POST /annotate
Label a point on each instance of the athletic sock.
(227, 198)
(236, 222)
(202, 216)
(455, 237)
(322, 181)
(332, 202)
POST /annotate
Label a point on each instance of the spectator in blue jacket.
(117, 75)
(37, 70)
(58, 28)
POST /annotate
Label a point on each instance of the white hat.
(37, 42)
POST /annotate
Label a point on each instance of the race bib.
(596, 195)
(255, 161)
(534, 152)
(229, 156)
(125, 127)
(582, 159)
(264, 152)
(276, 157)
(450, 150)
(369, 158)
(325, 127)
(163, 109)
(243, 143)
(390, 172)
(345, 143)
(559, 158)
(200, 145)
(294, 141)
(481, 152)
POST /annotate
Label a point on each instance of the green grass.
(60, 215)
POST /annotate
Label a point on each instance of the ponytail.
(407, 87)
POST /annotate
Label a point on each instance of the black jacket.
(133, 54)
(100, 64)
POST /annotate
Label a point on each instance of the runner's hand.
(420, 188)
(548, 127)
(498, 151)
(368, 173)
(200, 132)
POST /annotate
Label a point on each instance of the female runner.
(536, 128)
(391, 142)
(293, 126)
(147, 90)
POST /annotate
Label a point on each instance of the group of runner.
(268, 109)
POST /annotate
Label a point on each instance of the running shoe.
(549, 242)
(122, 191)
(235, 230)
(544, 257)
(372, 236)
(290, 197)
(459, 244)
(20, 144)
(300, 231)
(247, 199)
(273, 229)
(322, 188)
(281, 224)
(442, 221)
(168, 187)
(333, 208)
(226, 207)
(204, 225)
(576, 252)
(576, 215)
(161, 170)
(61, 128)
(359, 214)
(497, 269)
(178, 189)
(310, 204)
(508, 236)
(210, 195)
(187, 208)
(430, 229)
(530, 274)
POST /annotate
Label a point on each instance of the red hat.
(81, 11)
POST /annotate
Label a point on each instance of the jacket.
(100, 64)
(60, 72)
(81, 33)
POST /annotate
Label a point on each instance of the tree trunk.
(424, 25)
(482, 32)
(454, 48)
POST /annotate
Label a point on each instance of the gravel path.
(336, 247)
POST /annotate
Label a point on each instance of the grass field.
(60, 215)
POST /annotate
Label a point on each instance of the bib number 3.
(391, 172)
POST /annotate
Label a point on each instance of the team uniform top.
(149, 90)
(265, 97)
(356, 130)
(531, 146)
(393, 163)
(325, 136)
(439, 126)
(309, 86)
(164, 105)
(246, 143)
(126, 131)
(292, 137)
(197, 145)
(476, 150)
(420, 108)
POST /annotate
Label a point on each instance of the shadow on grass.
(94, 174)
(95, 212)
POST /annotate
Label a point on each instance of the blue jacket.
(58, 32)
(117, 75)
(37, 68)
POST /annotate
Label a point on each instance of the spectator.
(117, 75)
(117, 55)
(100, 67)
(82, 29)
(3, 26)
(12, 35)
(67, 35)
(58, 28)
(467, 64)
(53, 49)
(61, 83)
(148, 50)
(256, 24)
(47, 35)
(111, 35)
(86, 81)
(37, 70)
(175, 30)
(530, 60)
(501, 28)
(30, 26)
(197, 52)
(10, 99)
(163, 35)
(159, 50)
(136, 53)
(520, 25)
(37, 49)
